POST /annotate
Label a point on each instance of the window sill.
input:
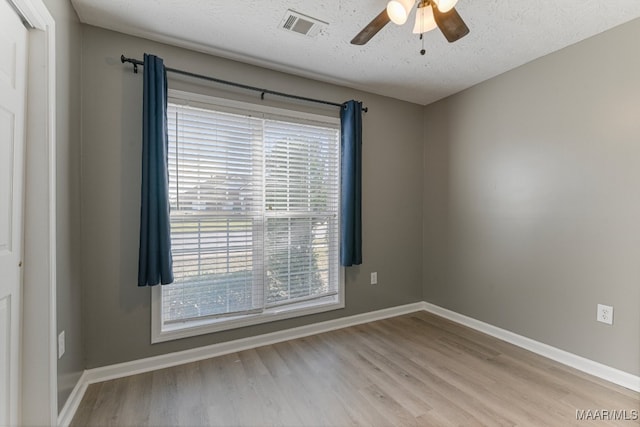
(192, 328)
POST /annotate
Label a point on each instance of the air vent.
(301, 24)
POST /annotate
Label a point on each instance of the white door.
(13, 66)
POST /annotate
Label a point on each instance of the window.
(254, 195)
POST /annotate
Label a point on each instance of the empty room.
(328, 213)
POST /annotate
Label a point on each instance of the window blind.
(302, 183)
(254, 212)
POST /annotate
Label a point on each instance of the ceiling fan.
(429, 15)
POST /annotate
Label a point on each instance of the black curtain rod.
(137, 62)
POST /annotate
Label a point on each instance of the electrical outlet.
(605, 314)
(61, 345)
(374, 278)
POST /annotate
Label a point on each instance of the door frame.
(39, 379)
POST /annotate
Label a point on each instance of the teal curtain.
(155, 264)
(351, 184)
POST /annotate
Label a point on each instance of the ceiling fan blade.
(451, 24)
(372, 28)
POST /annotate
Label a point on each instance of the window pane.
(213, 265)
(301, 167)
(215, 161)
(299, 257)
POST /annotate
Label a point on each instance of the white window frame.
(160, 333)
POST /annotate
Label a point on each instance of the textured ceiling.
(504, 34)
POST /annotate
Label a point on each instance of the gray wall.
(532, 199)
(116, 312)
(69, 290)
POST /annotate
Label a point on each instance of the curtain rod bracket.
(262, 95)
(124, 59)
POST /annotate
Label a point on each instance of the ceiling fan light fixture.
(445, 6)
(450, 23)
(424, 20)
(398, 10)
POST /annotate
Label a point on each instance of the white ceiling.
(504, 34)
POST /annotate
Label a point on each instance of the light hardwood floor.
(417, 369)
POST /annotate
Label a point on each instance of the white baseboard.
(192, 355)
(73, 401)
(580, 363)
(134, 367)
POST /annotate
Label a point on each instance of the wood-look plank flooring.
(412, 370)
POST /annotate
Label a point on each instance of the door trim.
(39, 345)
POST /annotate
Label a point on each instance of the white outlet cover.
(605, 314)
(374, 278)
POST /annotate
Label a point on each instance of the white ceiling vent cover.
(301, 24)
